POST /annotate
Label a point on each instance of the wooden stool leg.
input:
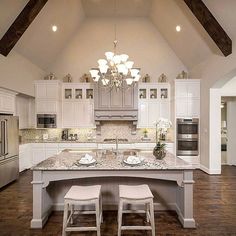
(152, 217)
(72, 212)
(65, 216)
(147, 212)
(120, 211)
(98, 223)
(100, 202)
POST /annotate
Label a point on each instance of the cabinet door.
(88, 114)
(68, 114)
(52, 91)
(194, 90)
(79, 114)
(143, 114)
(22, 110)
(153, 113)
(49, 152)
(193, 107)
(46, 106)
(41, 91)
(7, 103)
(181, 90)
(181, 107)
(128, 96)
(38, 155)
(116, 98)
(104, 97)
(165, 109)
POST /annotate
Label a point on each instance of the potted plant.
(162, 126)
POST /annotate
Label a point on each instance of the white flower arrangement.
(162, 126)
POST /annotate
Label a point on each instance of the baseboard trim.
(210, 171)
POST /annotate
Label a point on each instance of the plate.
(132, 164)
(87, 163)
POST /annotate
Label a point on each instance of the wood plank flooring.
(214, 210)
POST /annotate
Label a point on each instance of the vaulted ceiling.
(192, 45)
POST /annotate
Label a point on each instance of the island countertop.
(68, 160)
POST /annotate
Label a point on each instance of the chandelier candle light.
(115, 69)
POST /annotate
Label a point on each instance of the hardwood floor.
(214, 210)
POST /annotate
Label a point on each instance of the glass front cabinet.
(153, 102)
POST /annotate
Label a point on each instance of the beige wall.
(17, 73)
(216, 68)
(137, 37)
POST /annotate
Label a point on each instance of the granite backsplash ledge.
(109, 130)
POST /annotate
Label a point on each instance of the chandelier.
(116, 71)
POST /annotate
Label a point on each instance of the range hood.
(115, 105)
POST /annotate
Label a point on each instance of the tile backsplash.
(112, 129)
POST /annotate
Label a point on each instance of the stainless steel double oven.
(187, 137)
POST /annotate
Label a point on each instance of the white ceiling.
(101, 8)
(192, 45)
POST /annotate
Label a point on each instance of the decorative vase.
(159, 151)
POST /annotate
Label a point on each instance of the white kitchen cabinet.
(25, 109)
(25, 158)
(187, 98)
(153, 103)
(48, 89)
(47, 107)
(78, 105)
(51, 149)
(38, 153)
(48, 98)
(7, 102)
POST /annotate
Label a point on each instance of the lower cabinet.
(25, 157)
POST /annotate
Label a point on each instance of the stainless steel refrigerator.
(9, 149)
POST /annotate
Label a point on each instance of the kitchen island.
(170, 179)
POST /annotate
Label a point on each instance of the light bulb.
(54, 28)
(178, 28)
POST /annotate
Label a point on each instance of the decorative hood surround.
(115, 105)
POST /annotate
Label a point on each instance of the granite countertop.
(68, 160)
(90, 141)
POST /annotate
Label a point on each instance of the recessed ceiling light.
(178, 28)
(54, 28)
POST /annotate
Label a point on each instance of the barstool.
(140, 194)
(81, 196)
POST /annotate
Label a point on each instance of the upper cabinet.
(115, 104)
(48, 98)
(77, 105)
(48, 89)
(25, 109)
(7, 102)
(153, 103)
(187, 98)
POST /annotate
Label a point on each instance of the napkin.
(133, 160)
(86, 159)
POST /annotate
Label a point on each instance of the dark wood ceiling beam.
(19, 26)
(211, 25)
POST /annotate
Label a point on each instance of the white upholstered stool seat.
(139, 195)
(135, 192)
(81, 196)
(83, 193)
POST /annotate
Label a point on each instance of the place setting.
(133, 160)
(86, 160)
